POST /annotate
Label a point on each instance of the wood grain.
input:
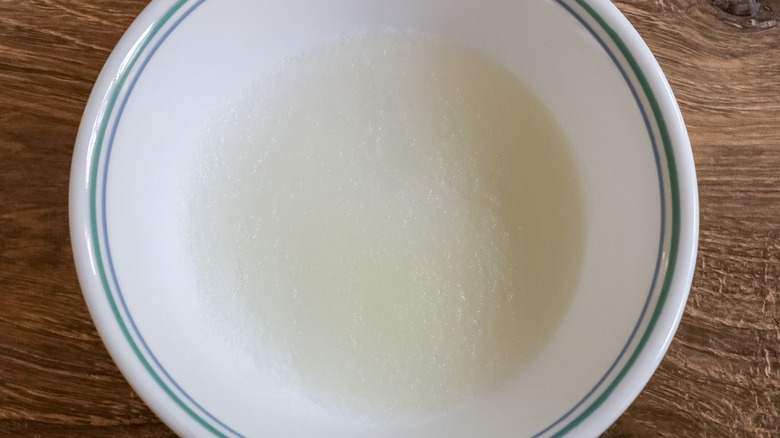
(721, 377)
(56, 378)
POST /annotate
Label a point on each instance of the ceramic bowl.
(179, 63)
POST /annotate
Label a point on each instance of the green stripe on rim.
(104, 116)
(675, 235)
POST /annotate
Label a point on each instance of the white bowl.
(181, 61)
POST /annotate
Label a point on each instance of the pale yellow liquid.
(389, 224)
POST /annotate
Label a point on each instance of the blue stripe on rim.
(120, 111)
(148, 51)
(661, 240)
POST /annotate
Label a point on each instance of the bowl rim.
(603, 21)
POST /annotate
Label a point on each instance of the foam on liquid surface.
(389, 224)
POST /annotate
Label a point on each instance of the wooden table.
(720, 378)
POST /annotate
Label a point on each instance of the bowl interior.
(202, 55)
